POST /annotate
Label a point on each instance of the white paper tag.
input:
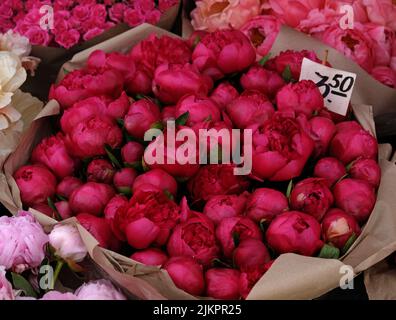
(335, 85)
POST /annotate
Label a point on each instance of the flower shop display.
(26, 248)
(362, 30)
(200, 230)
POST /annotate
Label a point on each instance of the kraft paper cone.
(291, 276)
(380, 281)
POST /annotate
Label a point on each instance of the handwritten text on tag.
(335, 85)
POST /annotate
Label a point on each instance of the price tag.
(335, 85)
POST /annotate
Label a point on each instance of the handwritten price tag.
(335, 85)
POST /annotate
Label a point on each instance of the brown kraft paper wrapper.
(290, 277)
(380, 281)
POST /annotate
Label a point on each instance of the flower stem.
(58, 268)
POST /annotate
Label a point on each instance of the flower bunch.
(114, 166)
(363, 30)
(59, 23)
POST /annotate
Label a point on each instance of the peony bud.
(155, 179)
(265, 204)
(338, 227)
(330, 169)
(36, 184)
(100, 170)
(312, 196)
(91, 197)
(150, 257)
(294, 232)
(124, 179)
(186, 274)
(99, 290)
(224, 94)
(366, 169)
(355, 197)
(132, 153)
(222, 283)
(112, 206)
(67, 186)
(67, 242)
(251, 254)
(63, 209)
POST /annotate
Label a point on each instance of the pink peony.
(150, 257)
(222, 283)
(224, 206)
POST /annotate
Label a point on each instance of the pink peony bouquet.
(27, 253)
(59, 23)
(127, 161)
(363, 30)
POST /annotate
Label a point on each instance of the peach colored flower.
(211, 15)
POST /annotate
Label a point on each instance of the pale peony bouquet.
(364, 30)
(25, 248)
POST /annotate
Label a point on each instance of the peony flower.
(171, 82)
(148, 218)
(385, 75)
(213, 180)
(351, 141)
(366, 169)
(91, 197)
(355, 197)
(199, 109)
(132, 153)
(186, 274)
(56, 295)
(52, 153)
(338, 227)
(232, 230)
(99, 290)
(281, 148)
(141, 116)
(22, 242)
(36, 184)
(250, 255)
(194, 238)
(265, 204)
(150, 257)
(265, 81)
(100, 170)
(63, 209)
(100, 230)
(222, 283)
(213, 15)
(153, 180)
(67, 242)
(301, 97)
(224, 206)
(262, 32)
(322, 131)
(312, 196)
(223, 52)
(113, 205)
(249, 108)
(331, 169)
(294, 232)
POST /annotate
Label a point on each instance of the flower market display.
(241, 161)
(59, 23)
(312, 185)
(363, 30)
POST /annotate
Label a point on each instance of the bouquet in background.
(57, 23)
(311, 189)
(364, 30)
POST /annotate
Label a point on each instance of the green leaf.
(329, 252)
(157, 125)
(20, 283)
(120, 122)
(196, 41)
(182, 120)
(349, 243)
(262, 225)
(65, 71)
(141, 96)
(135, 165)
(235, 237)
(145, 166)
(126, 191)
(349, 166)
(264, 59)
(216, 262)
(53, 207)
(61, 198)
(112, 157)
(287, 74)
(289, 188)
(169, 195)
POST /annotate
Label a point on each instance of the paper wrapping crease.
(308, 277)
